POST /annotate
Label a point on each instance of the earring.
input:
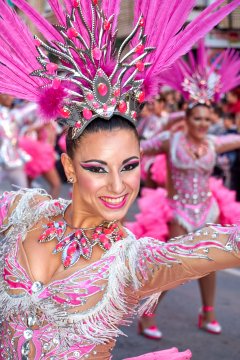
(70, 180)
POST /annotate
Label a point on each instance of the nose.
(116, 184)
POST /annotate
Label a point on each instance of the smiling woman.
(70, 274)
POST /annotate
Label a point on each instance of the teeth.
(113, 201)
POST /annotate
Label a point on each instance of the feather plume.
(170, 40)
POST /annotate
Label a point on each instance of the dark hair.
(229, 116)
(96, 126)
(190, 108)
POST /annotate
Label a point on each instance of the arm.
(156, 145)
(174, 117)
(162, 266)
(225, 143)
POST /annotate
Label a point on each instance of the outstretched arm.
(162, 266)
(156, 145)
(225, 143)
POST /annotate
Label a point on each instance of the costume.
(12, 157)
(78, 315)
(67, 318)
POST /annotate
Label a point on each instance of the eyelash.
(100, 170)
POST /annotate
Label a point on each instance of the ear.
(68, 167)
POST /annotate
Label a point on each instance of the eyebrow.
(104, 162)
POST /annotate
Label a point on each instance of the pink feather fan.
(163, 23)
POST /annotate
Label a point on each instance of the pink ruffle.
(159, 170)
(169, 354)
(226, 199)
(43, 156)
(155, 213)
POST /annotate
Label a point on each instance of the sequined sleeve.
(162, 266)
(155, 145)
(225, 143)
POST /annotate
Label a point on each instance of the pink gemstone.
(107, 25)
(37, 42)
(134, 114)
(102, 238)
(100, 72)
(87, 114)
(141, 97)
(102, 89)
(78, 233)
(96, 105)
(139, 49)
(113, 101)
(140, 66)
(67, 262)
(117, 92)
(75, 3)
(56, 83)
(86, 251)
(95, 2)
(83, 242)
(105, 107)
(64, 112)
(51, 68)
(107, 245)
(97, 53)
(122, 107)
(72, 33)
(90, 96)
(78, 125)
(142, 22)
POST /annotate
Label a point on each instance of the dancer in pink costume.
(38, 140)
(70, 274)
(193, 197)
(153, 124)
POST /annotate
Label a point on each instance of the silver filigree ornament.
(202, 88)
(99, 95)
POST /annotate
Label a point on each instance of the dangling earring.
(70, 180)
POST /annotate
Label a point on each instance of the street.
(177, 319)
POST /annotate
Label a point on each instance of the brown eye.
(131, 166)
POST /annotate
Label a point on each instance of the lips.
(113, 203)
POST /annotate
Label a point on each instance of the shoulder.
(25, 205)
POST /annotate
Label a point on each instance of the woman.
(192, 199)
(71, 275)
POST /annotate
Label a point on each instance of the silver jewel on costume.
(37, 286)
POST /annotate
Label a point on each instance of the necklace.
(196, 151)
(77, 243)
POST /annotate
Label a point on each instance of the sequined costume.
(12, 157)
(197, 198)
(78, 314)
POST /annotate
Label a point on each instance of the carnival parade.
(119, 179)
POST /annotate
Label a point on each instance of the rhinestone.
(31, 321)
(206, 251)
(76, 354)
(95, 353)
(55, 341)
(214, 235)
(28, 334)
(37, 286)
(46, 347)
(196, 211)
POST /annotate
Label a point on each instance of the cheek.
(89, 183)
(133, 179)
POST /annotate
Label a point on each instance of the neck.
(195, 140)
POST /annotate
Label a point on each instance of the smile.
(114, 203)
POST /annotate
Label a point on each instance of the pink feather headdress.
(201, 81)
(89, 78)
